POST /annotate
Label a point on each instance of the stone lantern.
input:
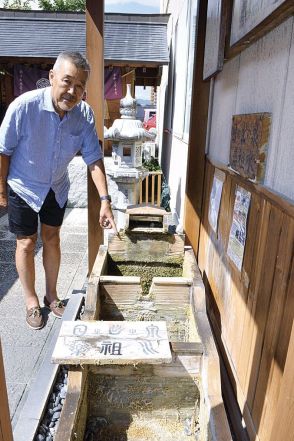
(124, 169)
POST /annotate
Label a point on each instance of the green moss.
(145, 270)
(145, 259)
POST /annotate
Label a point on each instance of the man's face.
(68, 86)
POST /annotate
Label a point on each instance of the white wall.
(174, 97)
(260, 79)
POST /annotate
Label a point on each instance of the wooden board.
(95, 342)
(92, 303)
(283, 427)
(5, 425)
(249, 145)
(144, 247)
(73, 415)
(267, 390)
(217, 11)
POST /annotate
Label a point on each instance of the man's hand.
(3, 199)
(106, 219)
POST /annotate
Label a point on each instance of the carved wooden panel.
(249, 145)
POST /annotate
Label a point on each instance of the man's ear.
(51, 76)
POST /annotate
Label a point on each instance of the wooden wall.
(252, 311)
(260, 79)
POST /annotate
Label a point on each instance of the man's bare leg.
(51, 258)
(25, 265)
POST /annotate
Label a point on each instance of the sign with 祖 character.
(237, 236)
(99, 342)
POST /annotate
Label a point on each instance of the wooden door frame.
(197, 137)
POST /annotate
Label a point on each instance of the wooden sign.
(217, 12)
(119, 342)
(252, 18)
(249, 145)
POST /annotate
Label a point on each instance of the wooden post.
(159, 189)
(5, 425)
(152, 188)
(147, 190)
(95, 97)
(197, 137)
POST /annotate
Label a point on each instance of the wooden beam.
(197, 137)
(74, 412)
(5, 425)
(95, 97)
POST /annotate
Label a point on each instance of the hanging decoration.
(112, 83)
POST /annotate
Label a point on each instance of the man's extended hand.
(3, 200)
(106, 219)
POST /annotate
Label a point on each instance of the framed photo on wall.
(216, 25)
(251, 19)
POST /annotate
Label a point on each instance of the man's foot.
(57, 307)
(34, 318)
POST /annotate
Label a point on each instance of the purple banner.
(29, 78)
(112, 83)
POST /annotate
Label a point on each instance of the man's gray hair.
(75, 58)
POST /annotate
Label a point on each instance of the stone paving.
(23, 348)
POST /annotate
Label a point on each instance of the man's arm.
(99, 178)
(4, 167)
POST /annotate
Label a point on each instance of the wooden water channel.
(177, 399)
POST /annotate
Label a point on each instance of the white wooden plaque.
(119, 342)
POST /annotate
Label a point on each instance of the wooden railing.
(150, 189)
(5, 425)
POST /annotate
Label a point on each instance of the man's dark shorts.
(23, 220)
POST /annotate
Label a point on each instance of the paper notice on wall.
(215, 199)
(237, 239)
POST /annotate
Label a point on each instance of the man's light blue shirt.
(41, 145)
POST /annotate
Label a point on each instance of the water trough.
(147, 283)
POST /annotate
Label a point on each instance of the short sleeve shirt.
(41, 145)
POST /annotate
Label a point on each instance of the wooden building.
(243, 68)
(134, 43)
(242, 59)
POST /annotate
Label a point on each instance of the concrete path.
(23, 348)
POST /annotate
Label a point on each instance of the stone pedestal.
(123, 185)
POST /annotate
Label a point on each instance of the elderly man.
(40, 134)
